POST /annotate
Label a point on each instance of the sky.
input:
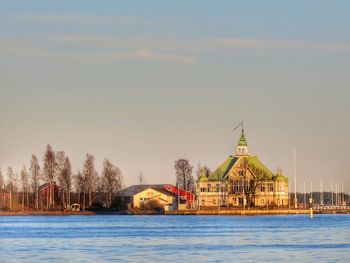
(144, 83)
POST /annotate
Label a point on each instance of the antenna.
(239, 125)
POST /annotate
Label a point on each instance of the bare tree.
(60, 160)
(60, 167)
(79, 184)
(11, 185)
(65, 178)
(90, 176)
(112, 180)
(25, 186)
(184, 178)
(2, 183)
(35, 179)
(254, 181)
(202, 170)
(49, 172)
(68, 179)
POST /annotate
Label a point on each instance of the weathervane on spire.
(239, 125)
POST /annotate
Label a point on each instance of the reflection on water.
(175, 238)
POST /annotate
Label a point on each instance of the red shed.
(185, 195)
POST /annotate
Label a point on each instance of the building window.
(237, 187)
(203, 189)
(209, 187)
(214, 202)
(217, 187)
(271, 187)
(203, 202)
(246, 185)
(281, 187)
(262, 202)
(262, 188)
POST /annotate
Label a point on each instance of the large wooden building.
(242, 180)
(167, 196)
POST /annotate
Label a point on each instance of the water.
(104, 238)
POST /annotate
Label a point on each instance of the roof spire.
(242, 149)
(242, 140)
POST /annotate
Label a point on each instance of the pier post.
(311, 208)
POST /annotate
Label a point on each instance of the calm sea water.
(101, 238)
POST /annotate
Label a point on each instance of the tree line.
(54, 186)
(184, 174)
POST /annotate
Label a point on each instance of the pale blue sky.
(146, 82)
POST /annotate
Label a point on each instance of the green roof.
(242, 140)
(279, 177)
(223, 169)
(254, 162)
(203, 178)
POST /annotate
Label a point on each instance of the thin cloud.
(163, 49)
(292, 45)
(101, 41)
(133, 55)
(205, 46)
(75, 18)
(88, 41)
(151, 55)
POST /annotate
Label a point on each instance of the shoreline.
(254, 212)
(236, 212)
(56, 213)
(44, 213)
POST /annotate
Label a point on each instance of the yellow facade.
(233, 190)
(148, 194)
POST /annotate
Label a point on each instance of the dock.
(253, 212)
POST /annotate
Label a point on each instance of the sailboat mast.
(295, 182)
